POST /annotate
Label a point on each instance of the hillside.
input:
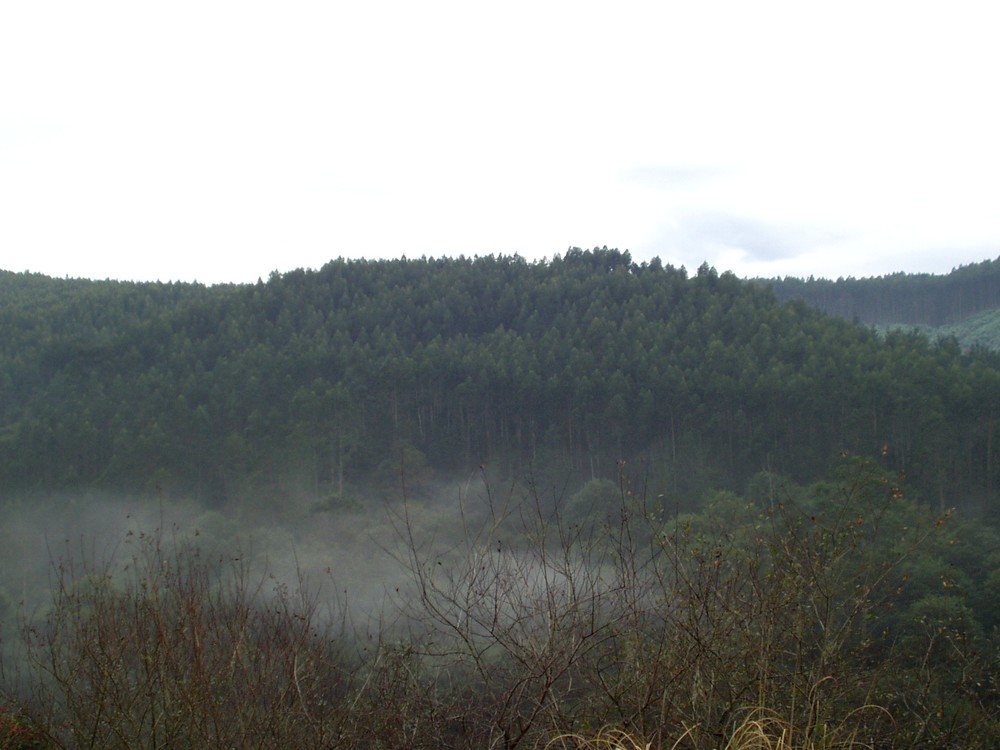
(332, 382)
(981, 330)
(900, 298)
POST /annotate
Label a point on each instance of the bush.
(17, 732)
(785, 622)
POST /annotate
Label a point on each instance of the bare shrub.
(748, 625)
(175, 651)
(510, 615)
(672, 627)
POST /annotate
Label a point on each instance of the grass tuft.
(761, 729)
(605, 739)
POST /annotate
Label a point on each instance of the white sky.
(218, 141)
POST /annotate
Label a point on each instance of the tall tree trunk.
(989, 459)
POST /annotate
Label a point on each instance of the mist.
(354, 558)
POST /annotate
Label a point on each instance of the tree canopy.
(571, 365)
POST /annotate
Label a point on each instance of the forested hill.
(354, 376)
(900, 298)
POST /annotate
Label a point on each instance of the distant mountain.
(960, 304)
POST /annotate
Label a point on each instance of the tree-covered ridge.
(901, 298)
(979, 331)
(366, 369)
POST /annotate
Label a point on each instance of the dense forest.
(686, 509)
(901, 298)
(332, 378)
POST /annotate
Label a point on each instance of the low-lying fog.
(357, 559)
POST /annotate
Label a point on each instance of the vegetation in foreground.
(841, 614)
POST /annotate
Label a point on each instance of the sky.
(220, 141)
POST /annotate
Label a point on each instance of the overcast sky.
(219, 141)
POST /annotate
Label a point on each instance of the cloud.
(711, 234)
(225, 142)
(670, 177)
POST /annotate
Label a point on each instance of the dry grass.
(765, 730)
(759, 730)
(605, 739)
